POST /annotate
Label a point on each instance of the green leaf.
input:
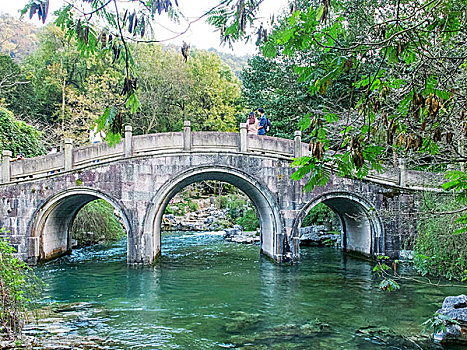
(319, 12)
(305, 122)
(443, 94)
(269, 49)
(133, 103)
(284, 36)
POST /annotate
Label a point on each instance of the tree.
(203, 89)
(215, 91)
(400, 55)
(15, 90)
(85, 106)
(72, 91)
(124, 25)
(236, 63)
(164, 87)
(17, 136)
(53, 67)
(408, 78)
(273, 85)
(18, 286)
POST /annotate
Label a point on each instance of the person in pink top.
(252, 124)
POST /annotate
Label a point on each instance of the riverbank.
(191, 210)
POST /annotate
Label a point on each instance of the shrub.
(96, 222)
(222, 202)
(320, 214)
(236, 208)
(192, 206)
(438, 249)
(249, 221)
(18, 287)
(180, 209)
(17, 136)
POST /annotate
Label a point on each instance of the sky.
(200, 35)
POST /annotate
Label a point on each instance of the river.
(205, 293)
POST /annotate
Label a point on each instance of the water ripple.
(205, 293)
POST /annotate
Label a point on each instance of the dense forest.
(18, 39)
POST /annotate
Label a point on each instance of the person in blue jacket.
(262, 122)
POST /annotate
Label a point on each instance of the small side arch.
(52, 221)
(259, 194)
(361, 228)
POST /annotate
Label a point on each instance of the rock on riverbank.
(312, 235)
(319, 235)
(205, 219)
(454, 312)
(237, 235)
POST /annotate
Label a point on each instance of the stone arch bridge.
(39, 197)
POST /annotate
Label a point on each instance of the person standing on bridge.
(95, 136)
(263, 122)
(252, 124)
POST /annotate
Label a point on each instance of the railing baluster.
(298, 144)
(243, 138)
(187, 135)
(128, 142)
(68, 154)
(402, 172)
(6, 168)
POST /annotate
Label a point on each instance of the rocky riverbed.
(319, 235)
(209, 218)
(54, 327)
(206, 218)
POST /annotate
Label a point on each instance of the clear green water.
(209, 294)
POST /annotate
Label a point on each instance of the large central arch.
(52, 221)
(361, 228)
(266, 206)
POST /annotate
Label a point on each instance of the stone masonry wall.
(133, 183)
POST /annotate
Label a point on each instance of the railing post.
(187, 135)
(243, 138)
(6, 169)
(128, 142)
(402, 172)
(298, 144)
(68, 154)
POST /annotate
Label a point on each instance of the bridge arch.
(261, 197)
(52, 221)
(361, 228)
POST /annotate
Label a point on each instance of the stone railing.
(135, 146)
(187, 141)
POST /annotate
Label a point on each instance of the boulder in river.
(454, 312)
(236, 235)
